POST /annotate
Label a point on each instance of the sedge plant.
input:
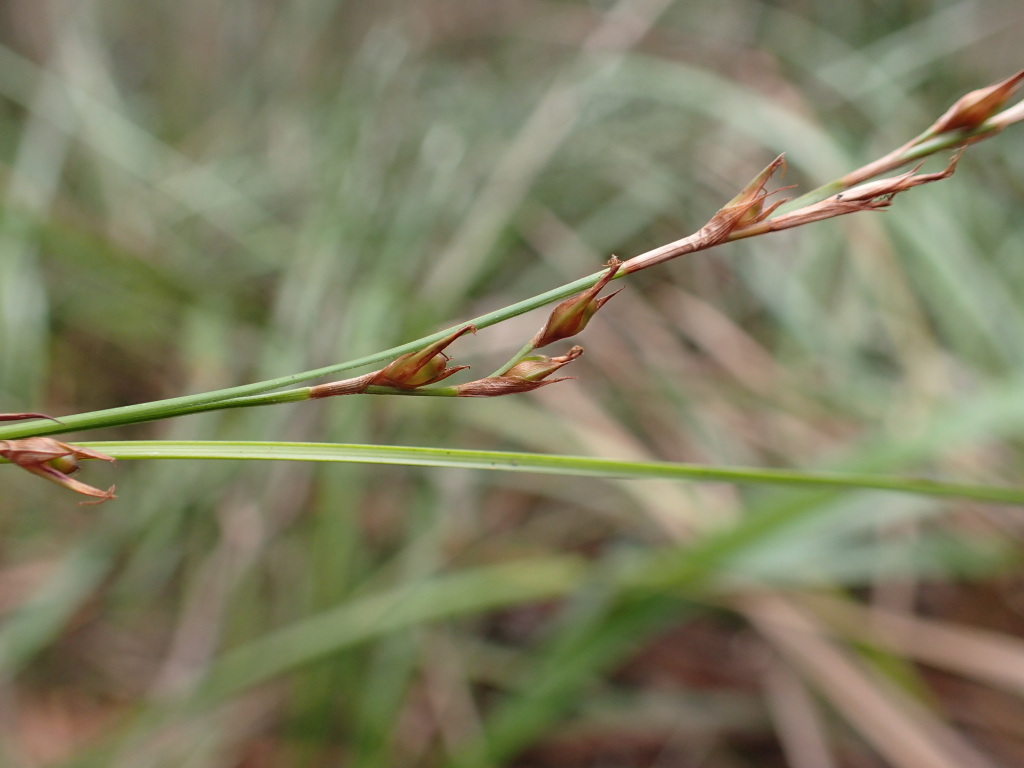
(421, 367)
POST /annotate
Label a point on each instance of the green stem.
(526, 349)
(547, 464)
(418, 392)
(303, 393)
(275, 398)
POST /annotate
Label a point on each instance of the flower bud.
(55, 461)
(974, 108)
(572, 315)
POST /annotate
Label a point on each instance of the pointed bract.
(748, 206)
(755, 191)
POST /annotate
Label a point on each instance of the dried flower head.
(55, 461)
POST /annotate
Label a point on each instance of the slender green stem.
(526, 349)
(547, 464)
(418, 392)
(303, 393)
(274, 398)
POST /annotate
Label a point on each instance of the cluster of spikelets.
(973, 117)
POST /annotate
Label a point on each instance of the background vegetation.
(198, 194)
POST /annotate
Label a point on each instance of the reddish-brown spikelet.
(414, 369)
(744, 211)
(974, 108)
(572, 315)
(426, 366)
(525, 376)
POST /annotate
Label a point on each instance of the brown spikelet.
(55, 461)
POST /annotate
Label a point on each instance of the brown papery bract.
(55, 461)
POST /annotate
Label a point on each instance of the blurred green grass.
(202, 194)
